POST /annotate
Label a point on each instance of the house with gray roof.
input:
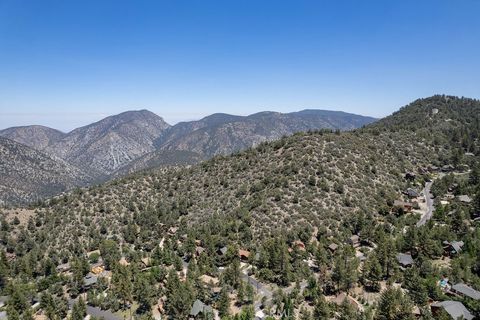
(3, 301)
(464, 290)
(465, 199)
(455, 309)
(453, 247)
(63, 267)
(412, 193)
(405, 260)
(89, 280)
(199, 308)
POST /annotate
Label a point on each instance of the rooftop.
(466, 291)
(404, 259)
(455, 309)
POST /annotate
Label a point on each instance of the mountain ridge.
(137, 140)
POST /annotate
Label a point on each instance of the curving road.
(429, 202)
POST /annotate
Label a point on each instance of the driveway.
(262, 289)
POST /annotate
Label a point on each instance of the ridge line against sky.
(187, 59)
(96, 117)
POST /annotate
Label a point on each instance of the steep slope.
(224, 134)
(36, 137)
(109, 144)
(315, 179)
(159, 158)
(27, 175)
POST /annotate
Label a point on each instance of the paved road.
(429, 202)
(262, 289)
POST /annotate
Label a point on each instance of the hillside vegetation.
(306, 226)
(139, 140)
(310, 179)
(30, 175)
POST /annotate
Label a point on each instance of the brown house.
(243, 254)
(354, 241)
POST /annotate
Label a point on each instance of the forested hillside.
(296, 226)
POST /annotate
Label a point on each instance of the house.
(453, 247)
(455, 309)
(333, 247)
(351, 301)
(65, 267)
(411, 193)
(199, 251)
(222, 251)
(260, 315)
(90, 280)
(410, 176)
(216, 292)
(123, 262)
(405, 260)
(354, 241)
(462, 289)
(243, 254)
(465, 199)
(360, 255)
(417, 313)
(448, 168)
(146, 262)
(405, 206)
(172, 231)
(3, 301)
(97, 269)
(199, 308)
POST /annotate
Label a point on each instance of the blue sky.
(68, 63)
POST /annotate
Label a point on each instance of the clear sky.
(68, 63)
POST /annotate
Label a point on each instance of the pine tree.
(122, 285)
(240, 293)
(372, 272)
(79, 310)
(110, 253)
(144, 293)
(347, 312)
(223, 303)
(394, 305)
(321, 309)
(250, 292)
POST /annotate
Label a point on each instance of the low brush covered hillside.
(311, 179)
(310, 216)
(314, 179)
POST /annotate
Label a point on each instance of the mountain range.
(319, 179)
(137, 140)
